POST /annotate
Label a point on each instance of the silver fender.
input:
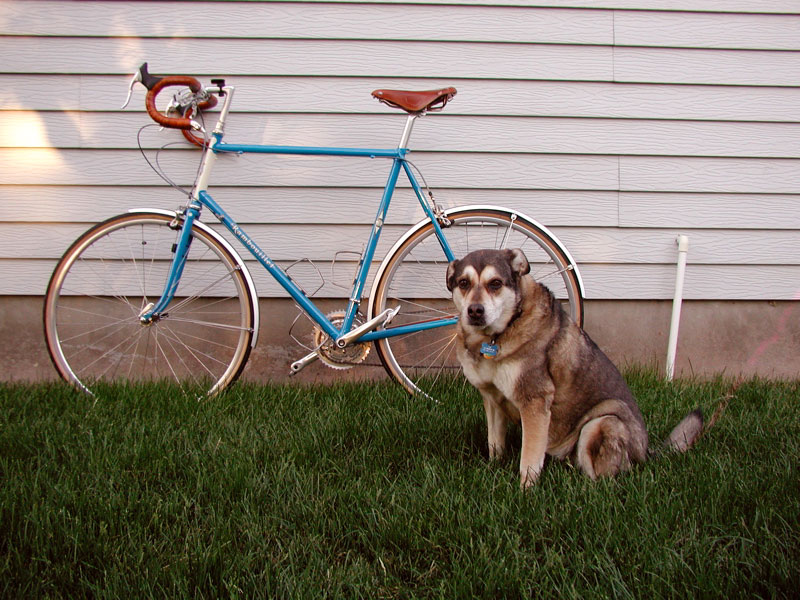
(454, 213)
(225, 244)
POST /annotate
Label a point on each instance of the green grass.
(359, 491)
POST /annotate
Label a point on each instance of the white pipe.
(672, 345)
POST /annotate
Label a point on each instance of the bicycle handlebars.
(175, 80)
(155, 84)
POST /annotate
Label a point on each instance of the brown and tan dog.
(532, 364)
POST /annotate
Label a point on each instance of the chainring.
(332, 355)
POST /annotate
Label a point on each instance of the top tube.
(310, 150)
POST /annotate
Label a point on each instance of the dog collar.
(489, 350)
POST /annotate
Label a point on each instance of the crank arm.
(299, 365)
(382, 319)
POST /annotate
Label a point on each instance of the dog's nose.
(475, 311)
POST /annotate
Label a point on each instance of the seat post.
(407, 131)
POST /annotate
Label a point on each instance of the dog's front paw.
(496, 451)
(529, 470)
(528, 477)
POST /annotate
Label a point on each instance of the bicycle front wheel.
(412, 277)
(108, 277)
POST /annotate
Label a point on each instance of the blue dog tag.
(488, 350)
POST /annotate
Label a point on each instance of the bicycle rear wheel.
(112, 272)
(413, 278)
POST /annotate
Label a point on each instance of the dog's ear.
(451, 275)
(518, 261)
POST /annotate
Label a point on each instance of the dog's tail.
(686, 432)
(694, 425)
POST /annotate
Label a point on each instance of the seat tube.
(366, 259)
(369, 253)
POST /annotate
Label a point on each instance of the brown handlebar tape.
(172, 80)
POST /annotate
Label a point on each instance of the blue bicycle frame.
(201, 198)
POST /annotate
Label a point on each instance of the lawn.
(357, 490)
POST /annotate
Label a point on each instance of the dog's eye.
(495, 285)
(463, 283)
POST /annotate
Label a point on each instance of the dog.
(532, 364)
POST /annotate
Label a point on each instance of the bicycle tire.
(113, 271)
(412, 276)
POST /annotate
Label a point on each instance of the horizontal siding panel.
(30, 277)
(420, 59)
(59, 92)
(603, 282)
(721, 67)
(300, 205)
(453, 134)
(658, 246)
(104, 167)
(678, 174)
(263, 20)
(588, 245)
(282, 243)
(629, 173)
(475, 97)
(308, 57)
(707, 30)
(712, 211)
(409, 22)
(702, 282)
(744, 6)
(318, 280)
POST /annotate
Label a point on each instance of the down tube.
(279, 274)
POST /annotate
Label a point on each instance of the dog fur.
(547, 374)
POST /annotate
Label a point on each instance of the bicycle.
(158, 294)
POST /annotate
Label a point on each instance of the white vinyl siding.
(619, 125)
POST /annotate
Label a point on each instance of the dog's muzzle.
(476, 314)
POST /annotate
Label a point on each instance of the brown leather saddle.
(416, 102)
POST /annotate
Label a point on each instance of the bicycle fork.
(153, 312)
(185, 219)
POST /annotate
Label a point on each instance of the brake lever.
(137, 78)
(146, 79)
